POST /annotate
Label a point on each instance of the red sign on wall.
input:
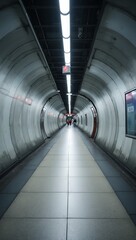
(66, 69)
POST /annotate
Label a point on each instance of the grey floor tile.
(46, 184)
(80, 163)
(33, 229)
(53, 163)
(82, 157)
(38, 205)
(56, 157)
(95, 205)
(58, 152)
(101, 229)
(89, 184)
(51, 172)
(79, 151)
(85, 172)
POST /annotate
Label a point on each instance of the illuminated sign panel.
(130, 110)
(66, 69)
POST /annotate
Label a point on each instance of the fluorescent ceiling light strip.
(68, 83)
(64, 6)
(69, 103)
(67, 58)
(66, 45)
(65, 24)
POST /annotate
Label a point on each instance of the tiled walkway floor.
(67, 198)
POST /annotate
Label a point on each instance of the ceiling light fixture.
(65, 25)
(69, 103)
(66, 45)
(64, 6)
(68, 83)
(67, 58)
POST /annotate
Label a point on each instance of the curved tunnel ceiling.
(45, 19)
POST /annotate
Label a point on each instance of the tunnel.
(34, 96)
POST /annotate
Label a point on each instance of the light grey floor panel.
(79, 151)
(56, 158)
(89, 184)
(54, 172)
(95, 205)
(85, 172)
(79, 157)
(80, 163)
(33, 229)
(58, 151)
(38, 205)
(101, 229)
(46, 184)
(56, 163)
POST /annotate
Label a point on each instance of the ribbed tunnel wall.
(111, 72)
(31, 108)
(26, 87)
